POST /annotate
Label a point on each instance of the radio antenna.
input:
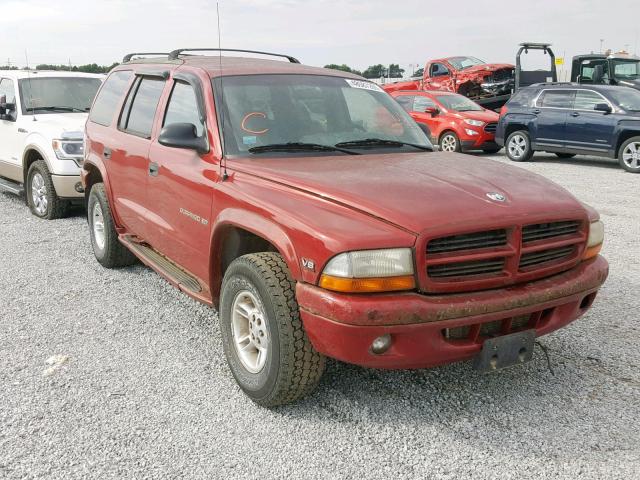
(26, 57)
(223, 160)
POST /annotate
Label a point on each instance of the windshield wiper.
(300, 147)
(381, 142)
(54, 108)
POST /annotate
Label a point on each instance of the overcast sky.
(358, 33)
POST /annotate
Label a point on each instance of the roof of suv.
(216, 66)
(18, 74)
(575, 86)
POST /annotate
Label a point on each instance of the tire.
(41, 194)
(565, 155)
(108, 250)
(491, 151)
(288, 367)
(629, 155)
(449, 142)
(518, 146)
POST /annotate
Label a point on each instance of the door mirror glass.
(183, 135)
(603, 107)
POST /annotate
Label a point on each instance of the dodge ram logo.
(496, 197)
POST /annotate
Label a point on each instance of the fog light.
(381, 344)
(79, 188)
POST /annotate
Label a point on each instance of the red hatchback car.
(456, 123)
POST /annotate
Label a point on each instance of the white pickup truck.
(42, 117)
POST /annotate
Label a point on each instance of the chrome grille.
(541, 231)
(467, 241)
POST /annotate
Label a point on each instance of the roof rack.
(176, 53)
(129, 56)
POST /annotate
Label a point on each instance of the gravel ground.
(109, 374)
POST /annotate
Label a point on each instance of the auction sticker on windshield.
(363, 85)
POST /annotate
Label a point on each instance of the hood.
(486, 116)
(55, 124)
(630, 83)
(418, 191)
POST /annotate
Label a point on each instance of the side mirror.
(433, 111)
(602, 107)
(183, 135)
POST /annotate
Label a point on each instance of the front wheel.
(629, 155)
(41, 194)
(264, 341)
(449, 142)
(518, 146)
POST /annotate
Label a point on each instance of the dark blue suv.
(570, 119)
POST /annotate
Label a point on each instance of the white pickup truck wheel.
(41, 194)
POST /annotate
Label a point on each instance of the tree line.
(88, 68)
(376, 71)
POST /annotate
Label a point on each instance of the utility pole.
(601, 42)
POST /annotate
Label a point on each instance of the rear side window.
(109, 97)
(139, 113)
(183, 107)
(556, 98)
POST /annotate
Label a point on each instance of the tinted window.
(183, 107)
(139, 120)
(109, 97)
(523, 97)
(587, 100)
(556, 98)
(8, 90)
(406, 101)
(422, 103)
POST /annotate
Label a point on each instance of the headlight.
(370, 271)
(68, 149)
(475, 123)
(594, 242)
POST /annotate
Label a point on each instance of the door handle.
(575, 114)
(536, 111)
(153, 169)
(106, 153)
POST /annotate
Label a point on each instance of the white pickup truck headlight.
(69, 149)
(382, 270)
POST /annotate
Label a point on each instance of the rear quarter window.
(109, 97)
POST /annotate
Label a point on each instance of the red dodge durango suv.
(307, 207)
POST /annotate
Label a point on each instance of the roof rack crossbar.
(129, 56)
(176, 53)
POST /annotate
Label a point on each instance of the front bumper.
(482, 141)
(68, 186)
(344, 326)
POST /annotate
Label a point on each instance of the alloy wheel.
(249, 329)
(448, 143)
(631, 155)
(39, 194)
(98, 225)
(517, 146)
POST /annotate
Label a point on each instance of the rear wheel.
(104, 238)
(449, 142)
(41, 194)
(565, 155)
(518, 146)
(267, 349)
(629, 155)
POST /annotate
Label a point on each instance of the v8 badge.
(308, 264)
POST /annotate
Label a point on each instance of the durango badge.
(496, 197)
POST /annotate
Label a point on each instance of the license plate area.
(505, 351)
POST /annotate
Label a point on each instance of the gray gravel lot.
(137, 386)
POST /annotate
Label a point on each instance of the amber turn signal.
(367, 285)
(591, 252)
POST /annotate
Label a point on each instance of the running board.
(162, 263)
(12, 187)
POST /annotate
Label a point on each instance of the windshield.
(458, 103)
(57, 94)
(461, 63)
(626, 69)
(626, 98)
(312, 110)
